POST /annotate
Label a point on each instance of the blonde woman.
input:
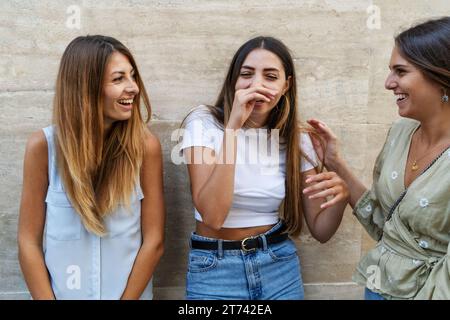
(245, 209)
(92, 186)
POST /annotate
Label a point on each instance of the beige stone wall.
(183, 49)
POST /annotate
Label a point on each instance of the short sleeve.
(201, 130)
(308, 149)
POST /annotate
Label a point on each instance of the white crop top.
(259, 175)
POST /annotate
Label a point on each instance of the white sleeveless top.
(259, 184)
(82, 265)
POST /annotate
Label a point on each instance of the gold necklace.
(415, 166)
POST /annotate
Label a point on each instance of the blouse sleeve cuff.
(369, 215)
(364, 207)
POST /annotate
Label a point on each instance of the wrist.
(337, 165)
(233, 125)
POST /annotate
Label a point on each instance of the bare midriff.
(230, 233)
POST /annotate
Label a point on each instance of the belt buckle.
(243, 245)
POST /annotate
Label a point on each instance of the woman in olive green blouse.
(407, 210)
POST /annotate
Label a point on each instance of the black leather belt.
(247, 244)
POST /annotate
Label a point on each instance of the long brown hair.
(98, 171)
(284, 117)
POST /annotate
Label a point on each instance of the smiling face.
(119, 90)
(416, 95)
(263, 68)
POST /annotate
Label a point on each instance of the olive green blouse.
(412, 257)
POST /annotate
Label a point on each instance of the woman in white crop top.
(248, 162)
(91, 222)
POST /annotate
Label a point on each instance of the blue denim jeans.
(269, 273)
(370, 295)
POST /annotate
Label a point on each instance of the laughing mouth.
(125, 102)
(401, 96)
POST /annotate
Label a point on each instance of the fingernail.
(305, 190)
(308, 180)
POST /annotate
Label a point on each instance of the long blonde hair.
(283, 117)
(98, 171)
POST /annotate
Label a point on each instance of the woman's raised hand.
(330, 151)
(244, 102)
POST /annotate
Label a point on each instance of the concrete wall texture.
(183, 48)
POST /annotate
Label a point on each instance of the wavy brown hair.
(98, 170)
(284, 117)
(427, 46)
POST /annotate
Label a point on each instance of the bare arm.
(323, 216)
(212, 183)
(152, 221)
(32, 217)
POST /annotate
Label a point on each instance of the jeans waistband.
(275, 235)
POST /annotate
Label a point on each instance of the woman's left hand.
(327, 184)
